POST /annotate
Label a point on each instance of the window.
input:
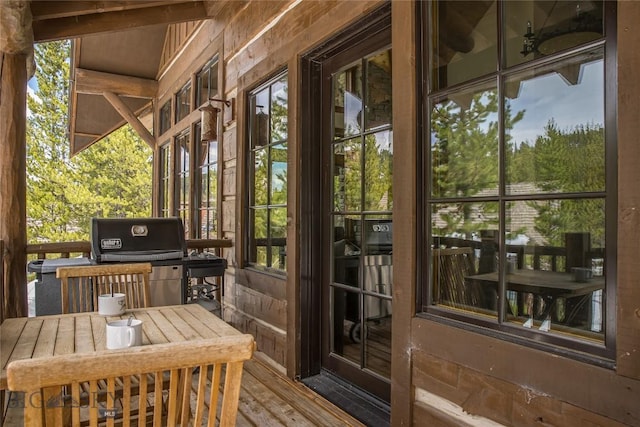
(207, 81)
(165, 117)
(165, 179)
(183, 180)
(207, 161)
(518, 214)
(183, 102)
(268, 135)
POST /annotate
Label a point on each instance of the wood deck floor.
(268, 398)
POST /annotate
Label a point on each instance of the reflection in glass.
(556, 144)
(278, 235)
(378, 163)
(165, 117)
(260, 194)
(378, 335)
(183, 102)
(207, 155)
(207, 82)
(346, 324)
(260, 119)
(347, 175)
(378, 236)
(463, 41)
(464, 245)
(555, 265)
(279, 110)
(464, 143)
(378, 103)
(278, 184)
(536, 28)
(348, 102)
(268, 115)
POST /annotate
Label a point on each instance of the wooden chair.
(80, 286)
(191, 366)
(450, 266)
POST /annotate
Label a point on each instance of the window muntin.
(183, 180)
(207, 82)
(165, 117)
(268, 115)
(165, 179)
(517, 198)
(208, 171)
(183, 102)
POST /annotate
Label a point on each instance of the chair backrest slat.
(81, 285)
(128, 368)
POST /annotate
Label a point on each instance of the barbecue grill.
(159, 241)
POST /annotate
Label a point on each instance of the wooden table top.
(33, 337)
(544, 282)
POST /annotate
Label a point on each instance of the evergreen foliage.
(109, 179)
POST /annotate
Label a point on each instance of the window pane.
(463, 246)
(260, 119)
(377, 312)
(348, 102)
(347, 175)
(556, 129)
(346, 324)
(183, 103)
(378, 177)
(278, 231)
(260, 176)
(278, 174)
(463, 41)
(555, 272)
(165, 117)
(378, 235)
(538, 28)
(378, 108)
(279, 110)
(464, 143)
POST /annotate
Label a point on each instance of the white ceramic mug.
(111, 305)
(121, 335)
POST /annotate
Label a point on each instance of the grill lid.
(137, 239)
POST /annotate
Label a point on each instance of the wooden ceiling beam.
(77, 26)
(47, 9)
(131, 118)
(97, 82)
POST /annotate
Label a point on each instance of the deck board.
(268, 398)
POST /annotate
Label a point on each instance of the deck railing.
(83, 248)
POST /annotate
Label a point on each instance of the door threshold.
(365, 407)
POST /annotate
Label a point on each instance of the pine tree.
(112, 178)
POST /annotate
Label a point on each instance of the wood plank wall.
(503, 381)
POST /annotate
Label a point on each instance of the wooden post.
(16, 64)
(13, 195)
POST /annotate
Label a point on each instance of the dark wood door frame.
(315, 179)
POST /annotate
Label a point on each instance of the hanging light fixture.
(262, 127)
(582, 28)
(209, 120)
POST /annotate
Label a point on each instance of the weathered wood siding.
(506, 382)
(492, 378)
(175, 40)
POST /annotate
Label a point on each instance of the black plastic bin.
(47, 286)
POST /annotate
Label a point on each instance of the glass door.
(358, 204)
